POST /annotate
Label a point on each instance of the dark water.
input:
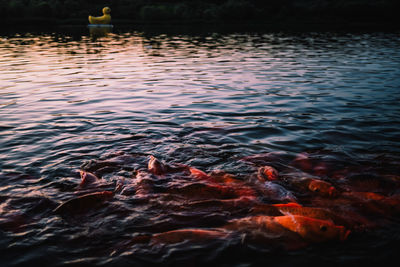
(71, 102)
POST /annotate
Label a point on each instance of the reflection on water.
(207, 100)
(99, 31)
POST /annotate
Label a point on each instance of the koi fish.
(198, 190)
(374, 203)
(267, 173)
(84, 202)
(227, 183)
(156, 167)
(199, 174)
(297, 209)
(300, 181)
(322, 188)
(265, 230)
(365, 196)
(313, 230)
(141, 186)
(288, 205)
(277, 192)
(312, 212)
(220, 176)
(253, 223)
(310, 229)
(87, 178)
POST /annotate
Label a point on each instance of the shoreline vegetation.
(315, 14)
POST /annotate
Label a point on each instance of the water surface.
(67, 102)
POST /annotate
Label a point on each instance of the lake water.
(105, 104)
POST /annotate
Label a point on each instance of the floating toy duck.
(105, 19)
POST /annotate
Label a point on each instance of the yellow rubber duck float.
(105, 19)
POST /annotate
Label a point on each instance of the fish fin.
(290, 204)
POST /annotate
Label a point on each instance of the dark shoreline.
(45, 24)
(274, 15)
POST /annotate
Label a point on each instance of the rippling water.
(70, 102)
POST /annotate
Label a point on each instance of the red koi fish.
(83, 203)
(298, 180)
(322, 188)
(242, 189)
(288, 205)
(155, 166)
(200, 190)
(265, 230)
(310, 229)
(364, 196)
(313, 230)
(267, 173)
(316, 213)
(223, 177)
(374, 203)
(87, 178)
(316, 186)
(312, 212)
(200, 174)
(226, 182)
(276, 193)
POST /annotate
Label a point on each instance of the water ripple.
(71, 101)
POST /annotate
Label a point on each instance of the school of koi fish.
(287, 202)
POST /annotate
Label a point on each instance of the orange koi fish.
(200, 174)
(220, 176)
(226, 183)
(288, 205)
(297, 209)
(310, 229)
(251, 223)
(313, 230)
(365, 196)
(312, 212)
(155, 166)
(267, 173)
(322, 188)
(87, 178)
